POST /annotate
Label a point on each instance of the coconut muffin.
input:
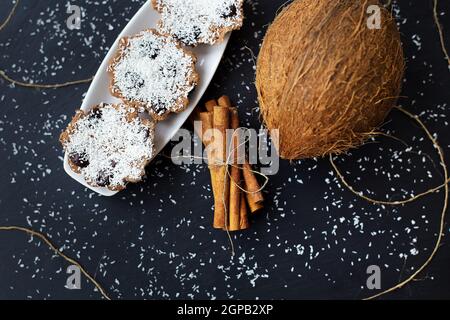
(109, 145)
(199, 21)
(152, 71)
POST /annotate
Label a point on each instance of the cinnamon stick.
(234, 199)
(209, 105)
(254, 195)
(224, 101)
(243, 222)
(235, 173)
(204, 117)
(207, 120)
(220, 179)
(206, 136)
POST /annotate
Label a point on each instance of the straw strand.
(402, 202)
(31, 84)
(440, 31)
(58, 252)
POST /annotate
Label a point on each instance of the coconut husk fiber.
(324, 79)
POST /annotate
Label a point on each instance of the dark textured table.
(314, 239)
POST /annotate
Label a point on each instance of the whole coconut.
(324, 78)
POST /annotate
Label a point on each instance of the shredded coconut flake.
(111, 147)
(200, 21)
(152, 70)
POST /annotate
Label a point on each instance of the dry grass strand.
(58, 252)
(405, 201)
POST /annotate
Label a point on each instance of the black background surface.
(155, 240)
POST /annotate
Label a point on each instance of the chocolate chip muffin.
(152, 71)
(109, 145)
(199, 21)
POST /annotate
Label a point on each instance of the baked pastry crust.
(110, 145)
(152, 71)
(199, 21)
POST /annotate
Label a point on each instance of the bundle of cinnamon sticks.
(236, 190)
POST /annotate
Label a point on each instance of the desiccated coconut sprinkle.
(199, 21)
(152, 71)
(110, 145)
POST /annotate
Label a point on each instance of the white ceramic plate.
(208, 59)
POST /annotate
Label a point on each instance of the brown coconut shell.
(324, 79)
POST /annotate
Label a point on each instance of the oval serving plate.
(208, 59)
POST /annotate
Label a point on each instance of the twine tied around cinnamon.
(228, 163)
